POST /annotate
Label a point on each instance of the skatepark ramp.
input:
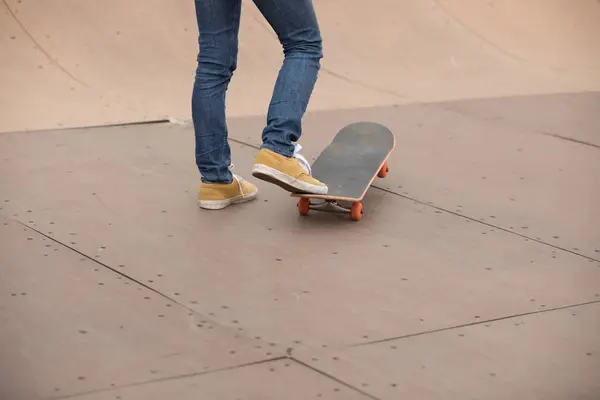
(473, 273)
(68, 63)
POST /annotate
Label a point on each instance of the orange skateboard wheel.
(303, 206)
(383, 171)
(356, 211)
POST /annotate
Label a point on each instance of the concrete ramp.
(69, 63)
(474, 272)
(554, 34)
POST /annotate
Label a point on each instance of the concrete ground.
(474, 273)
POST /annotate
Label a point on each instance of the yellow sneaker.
(291, 174)
(215, 196)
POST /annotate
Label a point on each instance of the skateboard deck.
(349, 165)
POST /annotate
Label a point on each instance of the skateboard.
(349, 165)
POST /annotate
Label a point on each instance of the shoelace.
(238, 178)
(303, 161)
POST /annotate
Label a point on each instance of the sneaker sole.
(221, 204)
(284, 181)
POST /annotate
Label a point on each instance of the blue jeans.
(296, 26)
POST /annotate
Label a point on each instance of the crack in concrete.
(168, 378)
(473, 324)
(338, 380)
(486, 223)
(134, 280)
(464, 113)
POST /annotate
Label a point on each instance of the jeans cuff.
(216, 179)
(278, 149)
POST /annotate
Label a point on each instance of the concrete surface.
(475, 272)
(133, 333)
(549, 355)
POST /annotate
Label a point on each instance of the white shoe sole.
(220, 204)
(284, 181)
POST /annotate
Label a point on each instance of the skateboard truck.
(355, 211)
(331, 205)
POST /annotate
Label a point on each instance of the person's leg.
(218, 27)
(296, 26)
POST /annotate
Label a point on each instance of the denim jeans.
(296, 26)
